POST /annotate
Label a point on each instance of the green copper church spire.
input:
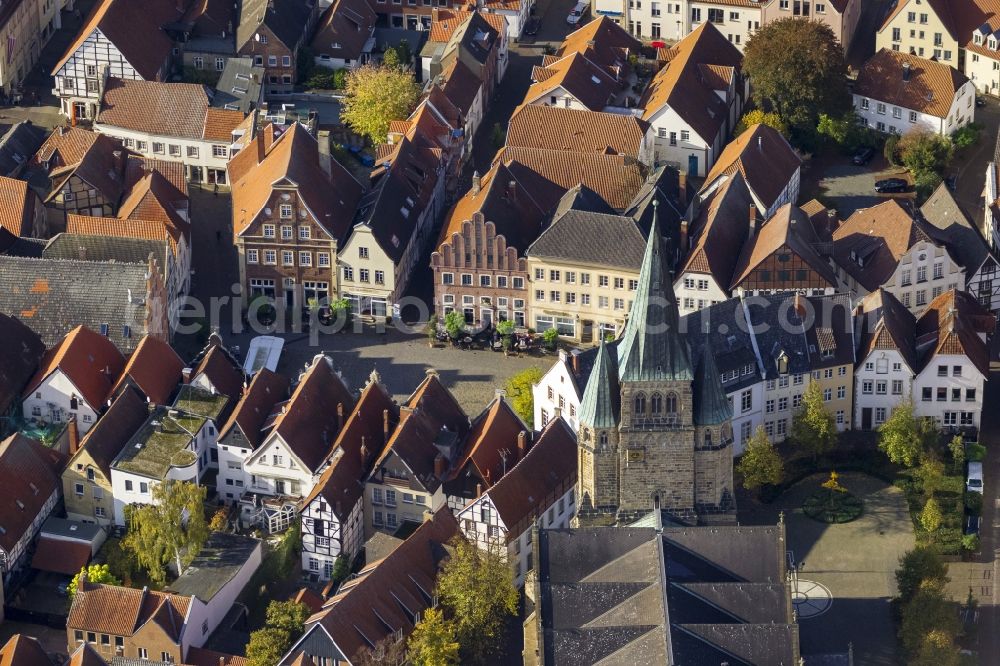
(652, 347)
(711, 406)
(600, 406)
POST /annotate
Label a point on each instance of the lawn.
(948, 538)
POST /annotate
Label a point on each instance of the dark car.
(532, 27)
(951, 182)
(863, 156)
(972, 524)
(980, 101)
(891, 185)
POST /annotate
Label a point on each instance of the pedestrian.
(215, 189)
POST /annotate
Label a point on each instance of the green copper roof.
(711, 406)
(652, 347)
(600, 406)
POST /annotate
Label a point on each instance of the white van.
(974, 482)
(578, 13)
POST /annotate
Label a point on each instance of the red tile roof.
(952, 324)
(101, 167)
(869, 244)
(528, 489)
(348, 24)
(17, 205)
(86, 655)
(554, 128)
(930, 89)
(65, 146)
(389, 591)
(29, 474)
(491, 446)
(197, 656)
(307, 423)
(446, 21)
(764, 157)
(887, 325)
(121, 611)
(355, 449)
(293, 156)
(589, 83)
(21, 650)
(90, 361)
(154, 368)
(223, 371)
(60, 556)
(251, 412)
(717, 237)
(603, 42)
(165, 109)
(86, 225)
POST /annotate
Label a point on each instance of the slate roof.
(886, 324)
(600, 406)
(869, 244)
(778, 331)
(963, 239)
(717, 236)
(763, 157)
(221, 558)
(112, 249)
(711, 406)
(250, 414)
(354, 451)
(17, 145)
(287, 19)
(307, 423)
(592, 238)
(931, 87)
(681, 86)
(239, 85)
(154, 368)
(831, 333)
(135, 27)
(22, 650)
(652, 347)
(105, 440)
(788, 227)
(180, 110)
(724, 326)
(89, 360)
(20, 356)
(389, 592)
(29, 471)
(347, 23)
(693, 595)
(617, 178)
(293, 157)
(121, 611)
(222, 370)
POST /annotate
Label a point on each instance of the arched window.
(639, 403)
(603, 439)
(708, 438)
(656, 404)
(671, 403)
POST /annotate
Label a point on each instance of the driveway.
(856, 561)
(839, 183)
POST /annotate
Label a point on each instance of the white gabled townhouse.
(695, 100)
(75, 379)
(539, 489)
(333, 523)
(298, 443)
(560, 390)
(898, 92)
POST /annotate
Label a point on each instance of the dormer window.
(993, 43)
(783, 364)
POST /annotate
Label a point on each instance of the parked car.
(972, 524)
(951, 181)
(980, 101)
(863, 156)
(887, 185)
(974, 480)
(578, 13)
(532, 27)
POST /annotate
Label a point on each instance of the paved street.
(856, 561)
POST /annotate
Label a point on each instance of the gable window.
(285, 211)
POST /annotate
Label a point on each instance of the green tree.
(432, 328)
(220, 521)
(930, 516)
(899, 437)
(432, 642)
(341, 569)
(937, 649)
(798, 66)
(931, 475)
(476, 586)
(391, 57)
(925, 153)
(289, 616)
(759, 117)
(928, 611)
(267, 646)
(96, 573)
(957, 449)
(405, 52)
(519, 394)
(551, 337)
(890, 150)
(760, 463)
(454, 324)
(966, 136)
(376, 95)
(916, 567)
(813, 426)
(844, 131)
(172, 528)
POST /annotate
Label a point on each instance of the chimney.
(440, 466)
(364, 451)
(74, 435)
(522, 444)
(906, 71)
(325, 159)
(831, 221)
(479, 490)
(753, 219)
(186, 375)
(477, 183)
(385, 426)
(82, 251)
(682, 189)
(340, 416)
(119, 158)
(684, 235)
(760, 143)
(800, 306)
(222, 661)
(512, 191)
(575, 360)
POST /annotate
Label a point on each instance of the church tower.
(651, 431)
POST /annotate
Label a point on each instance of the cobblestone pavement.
(856, 561)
